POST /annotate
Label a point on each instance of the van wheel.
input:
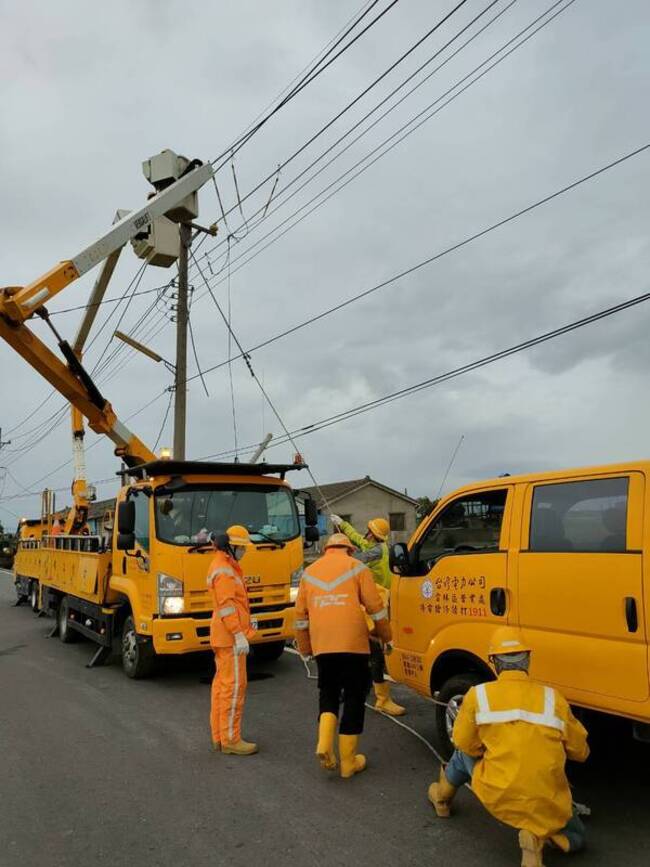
(138, 657)
(268, 652)
(451, 694)
(66, 634)
(33, 597)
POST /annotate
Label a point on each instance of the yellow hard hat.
(506, 639)
(338, 540)
(238, 535)
(379, 527)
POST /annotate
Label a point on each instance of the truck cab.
(161, 556)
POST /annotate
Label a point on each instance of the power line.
(391, 137)
(353, 102)
(116, 300)
(308, 78)
(164, 421)
(382, 102)
(258, 382)
(439, 255)
(369, 406)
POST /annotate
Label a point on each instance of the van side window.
(580, 516)
(469, 524)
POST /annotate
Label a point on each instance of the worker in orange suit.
(230, 630)
(512, 740)
(330, 624)
(57, 528)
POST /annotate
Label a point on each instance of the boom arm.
(18, 304)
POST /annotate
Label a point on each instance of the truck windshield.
(186, 515)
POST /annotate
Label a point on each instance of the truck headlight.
(170, 594)
(296, 576)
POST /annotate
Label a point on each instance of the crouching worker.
(230, 631)
(512, 739)
(331, 625)
(372, 549)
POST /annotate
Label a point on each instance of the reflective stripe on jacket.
(329, 616)
(230, 601)
(373, 553)
(523, 733)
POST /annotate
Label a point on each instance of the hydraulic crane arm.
(75, 385)
(18, 304)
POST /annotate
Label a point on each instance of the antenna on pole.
(451, 463)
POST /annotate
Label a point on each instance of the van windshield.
(186, 515)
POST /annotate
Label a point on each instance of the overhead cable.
(458, 245)
(432, 381)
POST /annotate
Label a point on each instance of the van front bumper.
(173, 635)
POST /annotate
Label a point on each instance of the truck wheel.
(451, 694)
(33, 597)
(138, 657)
(268, 652)
(66, 634)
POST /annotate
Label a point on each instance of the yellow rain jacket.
(523, 733)
(373, 553)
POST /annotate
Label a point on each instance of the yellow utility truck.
(563, 556)
(145, 584)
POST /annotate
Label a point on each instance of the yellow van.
(561, 555)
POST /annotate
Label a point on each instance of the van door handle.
(498, 601)
(631, 614)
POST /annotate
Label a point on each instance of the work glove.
(241, 646)
(336, 520)
(388, 648)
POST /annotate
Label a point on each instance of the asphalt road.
(99, 769)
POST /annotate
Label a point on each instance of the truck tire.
(33, 597)
(268, 652)
(451, 693)
(66, 634)
(138, 657)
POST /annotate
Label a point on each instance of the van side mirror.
(312, 534)
(311, 515)
(126, 519)
(125, 541)
(398, 558)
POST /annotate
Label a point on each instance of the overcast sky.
(89, 90)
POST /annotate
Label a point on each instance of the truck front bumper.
(189, 634)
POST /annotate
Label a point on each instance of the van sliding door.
(580, 585)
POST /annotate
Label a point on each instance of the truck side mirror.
(125, 541)
(312, 534)
(311, 515)
(398, 558)
(126, 519)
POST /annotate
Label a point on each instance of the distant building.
(359, 500)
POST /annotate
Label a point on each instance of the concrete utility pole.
(181, 344)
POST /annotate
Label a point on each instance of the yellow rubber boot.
(239, 748)
(385, 703)
(352, 762)
(531, 849)
(325, 747)
(441, 794)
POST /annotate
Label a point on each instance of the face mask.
(239, 552)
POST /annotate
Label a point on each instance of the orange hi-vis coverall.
(231, 615)
(522, 732)
(329, 614)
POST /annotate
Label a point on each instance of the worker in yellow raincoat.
(372, 549)
(512, 739)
